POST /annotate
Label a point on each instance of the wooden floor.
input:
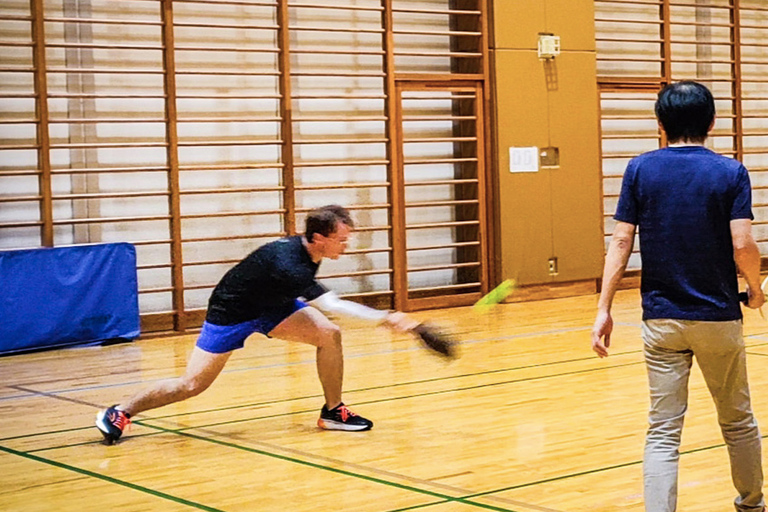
(527, 420)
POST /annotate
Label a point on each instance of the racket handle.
(743, 297)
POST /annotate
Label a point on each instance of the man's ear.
(712, 125)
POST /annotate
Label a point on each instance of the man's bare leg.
(202, 369)
(308, 325)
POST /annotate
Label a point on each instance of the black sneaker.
(111, 422)
(341, 418)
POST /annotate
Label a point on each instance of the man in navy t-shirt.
(693, 209)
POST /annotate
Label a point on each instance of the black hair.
(686, 110)
(324, 220)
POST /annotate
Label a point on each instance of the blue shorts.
(219, 339)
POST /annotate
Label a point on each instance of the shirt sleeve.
(314, 291)
(627, 207)
(742, 203)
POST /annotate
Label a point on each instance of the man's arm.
(747, 257)
(331, 303)
(616, 261)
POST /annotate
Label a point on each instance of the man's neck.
(685, 143)
(312, 250)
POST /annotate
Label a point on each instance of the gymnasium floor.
(527, 420)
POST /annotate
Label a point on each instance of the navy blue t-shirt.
(682, 199)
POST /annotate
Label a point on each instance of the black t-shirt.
(269, 278)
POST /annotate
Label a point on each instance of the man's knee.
(329, 335)
(195, 386)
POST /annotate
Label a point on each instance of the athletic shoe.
(341, 418)
(111, 422)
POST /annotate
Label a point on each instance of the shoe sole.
(104, 428)
(336, 425)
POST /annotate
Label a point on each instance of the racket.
(744, 296)
(498, 294)
(439, 342)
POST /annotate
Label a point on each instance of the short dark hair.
(325, 219)
(685, 110)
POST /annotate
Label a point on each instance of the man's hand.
(756, 297)
(601, 333)
(400, 322)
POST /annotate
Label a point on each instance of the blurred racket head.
(437, 341)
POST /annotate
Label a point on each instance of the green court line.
(416, 507)
(344, 472)
(589, 472)
(358, 390)
(109, 479)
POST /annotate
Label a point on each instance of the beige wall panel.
(577, 228)
(573, 21)
(516, 23)
(525, 215)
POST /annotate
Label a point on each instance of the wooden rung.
(342, 163)
(441, 182)
(473, 55)
(217, 143)
(332, 74)
(229, 119)
(356, 274)
(96, 170)
(343, 186)
(19, 199)
(278, 234)
(317, 51)
(443, 246)
(143, 291)
(231, 167)
(109, 220)
(423, 161)
(334, 119)
(438, 11)
(151, 242)
(451, 33)
(117, 71)
(299, 5)
(356, 252)
(432, 204)
(450, 224)
(339, 96)
(354, 207)
(226, 49)
(336, 29)
(212, 191)
(339, 141)
(106, 46)
(243, 26)
(212, 72)
(99, 145)
(228, 2)
(23, 172)
(445, 288)
(627, 21)
(218, 215)
(225, 96)
(428, 140)
(8, 225)
(107, 195)
(439, 118)
(108, 95)
(444, 267)
(71, 120)
(102, 21)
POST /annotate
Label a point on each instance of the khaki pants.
(670, 346)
